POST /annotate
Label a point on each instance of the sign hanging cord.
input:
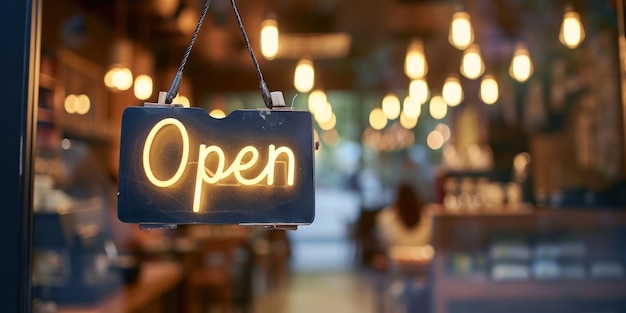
(175, 85)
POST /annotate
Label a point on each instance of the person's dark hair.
(408, 205)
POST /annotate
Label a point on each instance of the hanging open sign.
(182, 166)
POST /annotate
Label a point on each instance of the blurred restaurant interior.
(506, 118)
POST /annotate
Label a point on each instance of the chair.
(210, 269)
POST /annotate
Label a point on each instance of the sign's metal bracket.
(151, 226)
(161, 102)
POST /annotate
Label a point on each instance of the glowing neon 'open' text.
(246, 159)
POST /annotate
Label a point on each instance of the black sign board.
(182, 166)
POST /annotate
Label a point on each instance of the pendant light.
(269, 38)
(489, 89)
(438, 108)
(461, 33)
(377, 119)
(452, 91)
(317, 100)
(521, 66)
(391, 106)
(472, 65)
(119, 76)
(418, 90)
(304, 76)
(415, 65)
(572, 32)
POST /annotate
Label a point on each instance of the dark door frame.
(19, 83)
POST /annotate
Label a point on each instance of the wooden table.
(153, 292)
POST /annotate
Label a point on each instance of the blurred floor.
(323, 276)
(344, 292)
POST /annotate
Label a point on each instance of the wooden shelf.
(599, 230)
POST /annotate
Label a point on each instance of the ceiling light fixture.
(461, 32)
(521, 66)
(269, 38)
(304, 76)
(472, 65)
(572, 32)
(452, 91)
(489, 89)
(415, 65)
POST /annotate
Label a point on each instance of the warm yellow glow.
(74, 104)
(324, 114)
(143, 87)
(461, 33)
(415, 65)
(411, 108)
(489, 90)
(304, 77)
(435, 140)
(70, 103)
(418, 90)
(521, 66)
(217, 113)
(408, 122)
(472, 65)
(330, 124)
(205, 175)
(377, 119)
(317, 100)
(452, 91)
(147, 168)
(572, 32)
(186, 21)
(391, 106)
(444, 130)
(269, 38)
(438, 108)
(119, 77)
(182, 100)
(83, 104)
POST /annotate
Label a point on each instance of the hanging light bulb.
(269, 38)
(572, 32)
(317, 100)
(521, 66)
(415, 65)
(411, 108)
(472, 65)
(391, 107)
(304, 77)
(119, 76)
(489, 90)
(452, 91)
(217, 113)
(408, 122)
(461, 33)
(377, 119)
(324, 114)
(143, 87)
(438, 108)
(418, 90)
